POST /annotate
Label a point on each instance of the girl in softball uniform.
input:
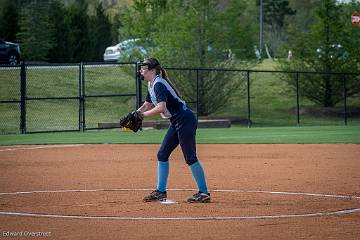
(164, 99)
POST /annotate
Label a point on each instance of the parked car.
(131, 49)
(9, 53)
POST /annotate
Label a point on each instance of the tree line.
(217, 34)
(57, 31)
(73, 31)
(198, 33)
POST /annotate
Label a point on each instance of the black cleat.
(155, 195)
(199, 198)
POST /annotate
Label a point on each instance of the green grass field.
(275, 135)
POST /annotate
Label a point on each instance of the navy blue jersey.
(159, 90)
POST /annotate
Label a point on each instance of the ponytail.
(164, 75)
(153, 63)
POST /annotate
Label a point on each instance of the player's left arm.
(159, 108)
(145, 107)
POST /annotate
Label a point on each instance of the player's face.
(146, 73)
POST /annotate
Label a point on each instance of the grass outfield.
(280, 135)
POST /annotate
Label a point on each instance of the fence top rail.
(39, 65)
(51, 64)
(9, 66)
(259, 71)
(66, 64)
(109, 63)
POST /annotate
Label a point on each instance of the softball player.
(164, 99)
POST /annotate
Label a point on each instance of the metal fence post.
(81, 98)
(197, 93)
(22, 98)
(297, 100)
(248, 98)
(345, 99)
(138, 86)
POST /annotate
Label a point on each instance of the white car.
(127, 50)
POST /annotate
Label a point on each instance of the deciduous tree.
(330, 45)
(36, 33)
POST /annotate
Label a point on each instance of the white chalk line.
(40, 147)
(316, 214)
(183, 189)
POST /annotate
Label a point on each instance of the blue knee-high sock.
(163, 173)
(199, 176)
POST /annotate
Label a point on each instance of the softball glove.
(132, 120)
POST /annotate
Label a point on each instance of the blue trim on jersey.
(159, 90)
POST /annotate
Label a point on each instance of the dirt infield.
(258, 192)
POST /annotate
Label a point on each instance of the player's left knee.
(191, 161)
(162, 156)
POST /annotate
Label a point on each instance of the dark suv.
(9, 53)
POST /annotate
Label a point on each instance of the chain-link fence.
(109, 91)
(271, 98)
(86, 96)
(65, 97)
(10, 99)
(52, 98)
